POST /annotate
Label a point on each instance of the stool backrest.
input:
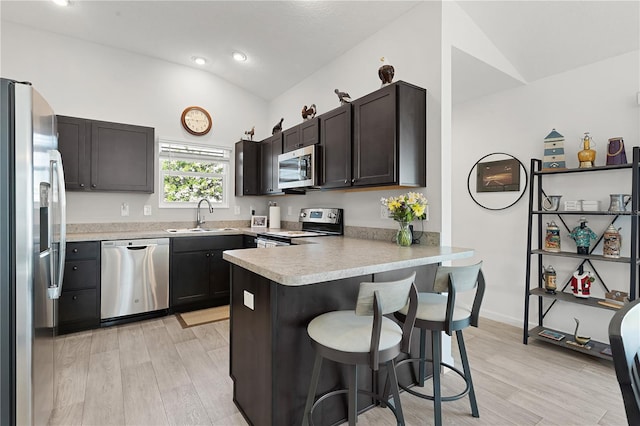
(392, 296)
(464, 278)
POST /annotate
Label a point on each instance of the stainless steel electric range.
(316, 222)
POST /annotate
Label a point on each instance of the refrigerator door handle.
(57, 271)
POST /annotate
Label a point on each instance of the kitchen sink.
(198, 230)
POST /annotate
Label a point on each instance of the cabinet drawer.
(80, 274)
(78, 305)
(222, 242)
(84, 250)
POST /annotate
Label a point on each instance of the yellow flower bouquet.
(404, 209)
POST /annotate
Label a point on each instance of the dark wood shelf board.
(570, 298)
(588, 169)
(585, 256)
(596, 349)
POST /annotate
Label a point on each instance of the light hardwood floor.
(156, 373)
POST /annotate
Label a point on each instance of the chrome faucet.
(200, 219)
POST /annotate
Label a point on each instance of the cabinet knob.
(353, 180)
(346, 180)
(75, 268)
(93, 185)
(75, 297)
(208, 254)
(82, 185)
(75, 250)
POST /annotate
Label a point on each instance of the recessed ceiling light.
(61, 2)
(239, 56)
(199, 60)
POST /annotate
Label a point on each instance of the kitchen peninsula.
(276, 292)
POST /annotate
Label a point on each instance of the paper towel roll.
(274, 217)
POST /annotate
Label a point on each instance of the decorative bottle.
(612, 242)
(587, 156)
(552, 238)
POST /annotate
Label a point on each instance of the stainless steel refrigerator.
(32, 251)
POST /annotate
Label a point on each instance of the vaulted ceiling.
(286, 41)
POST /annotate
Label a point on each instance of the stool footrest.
(462, 394)
(373, 395)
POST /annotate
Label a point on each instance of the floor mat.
(204, 316)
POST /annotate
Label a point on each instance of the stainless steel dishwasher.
(134, 277)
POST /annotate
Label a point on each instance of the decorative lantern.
(553, 152)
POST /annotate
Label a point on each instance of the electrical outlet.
(289, 211)
(638, 98)
(426, 212)
(124, 209)
(384, 212)
(236, 210)
(146, 210)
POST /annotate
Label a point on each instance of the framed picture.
(258, 221)
(498, 176)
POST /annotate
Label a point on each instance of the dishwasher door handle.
(138, 248)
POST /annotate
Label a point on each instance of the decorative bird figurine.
(343, 96)
(309, 113)
(278, 127)
(251, 132)
(581, 340)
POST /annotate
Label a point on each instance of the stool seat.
(347, 332)
(433, 307)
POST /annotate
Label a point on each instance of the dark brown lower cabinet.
(199, 275)
(79, 303)
(271, 354)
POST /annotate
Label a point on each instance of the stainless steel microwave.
(298, 168)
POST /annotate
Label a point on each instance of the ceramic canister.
(612, 242)
(552, 238)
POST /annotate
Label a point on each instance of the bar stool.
(440, 312)
(364, 337)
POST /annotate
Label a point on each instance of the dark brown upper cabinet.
(335, 143)
(104, 156)
(270, 148)
(247, 170)
(389, 137)
(304, 134)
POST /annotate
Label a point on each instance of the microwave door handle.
(57, 271)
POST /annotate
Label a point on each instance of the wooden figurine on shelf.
(583, 235)
(587, 156)
(553, 152)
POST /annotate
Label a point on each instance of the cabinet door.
(78, 310)
(190, 277)
(335, 140)
(270, 149)
(72, 144)
(247, 168)
(304, 134)
(121, 157)
(374, 141)
(219, 274)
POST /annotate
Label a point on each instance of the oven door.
(297, 169)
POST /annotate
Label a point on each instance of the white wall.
(93, 81)
(599, 98)
(412, 45)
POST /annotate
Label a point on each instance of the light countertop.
(331, 258)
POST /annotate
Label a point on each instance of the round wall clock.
(196, 120)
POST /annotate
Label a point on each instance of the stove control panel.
(321, 215)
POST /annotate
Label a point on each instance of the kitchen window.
(189, 173)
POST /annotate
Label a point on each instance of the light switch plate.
(289, 211)
(147, 210)
(124, 209)
(248, 299)
(236, 210)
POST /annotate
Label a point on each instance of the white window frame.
(172, 149)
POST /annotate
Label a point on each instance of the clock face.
(196, 121)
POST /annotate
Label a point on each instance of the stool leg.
(467, 373)
(353, 395)
(311, 396)
(421, 366)
(436, 344)
(392, 377)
